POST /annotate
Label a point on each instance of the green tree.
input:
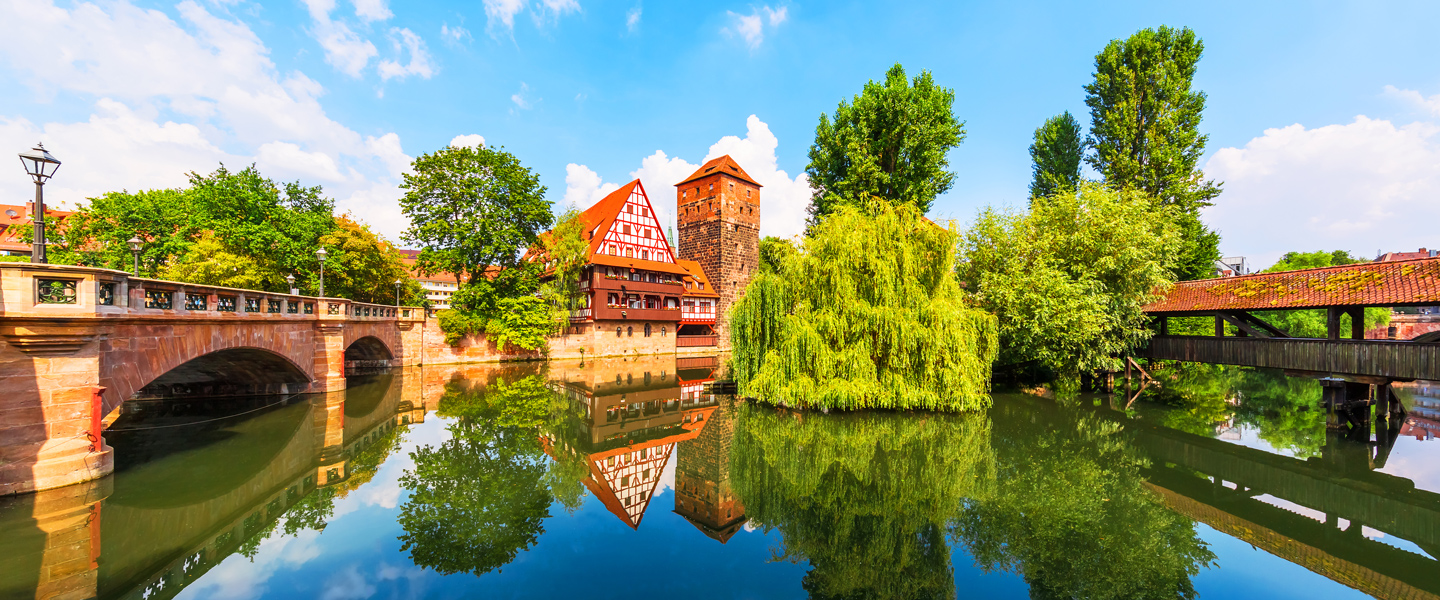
(362, 266)
(1068, 279)
(1055, 156)
(1144, 130)
(209, 262)
(775, 251)
(869, 315)
(890, 141)
(471, 209)
(98, 234)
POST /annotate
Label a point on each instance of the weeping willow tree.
(864, 497)
(867, 315)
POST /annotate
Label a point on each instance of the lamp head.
(135, 243)
(290, 279)
(39, 163)
(321, 254)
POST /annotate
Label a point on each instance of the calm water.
(628, 480)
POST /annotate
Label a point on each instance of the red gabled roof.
(599, 218)
(725, 165)
(1400, 283)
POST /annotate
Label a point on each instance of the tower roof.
(725, 165)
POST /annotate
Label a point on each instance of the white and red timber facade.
(638, 294)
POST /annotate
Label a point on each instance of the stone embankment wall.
(585, 341)
(1406, 327)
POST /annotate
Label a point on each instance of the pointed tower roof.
(725, 165)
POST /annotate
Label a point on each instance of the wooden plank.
(1377, 358)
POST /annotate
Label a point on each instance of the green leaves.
(472, 208)
(868, 315)
(1068, 279)
(1055, 156)
(891, 141)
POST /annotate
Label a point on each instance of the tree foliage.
(235, 229)
(869, 315)
(1144, 130)
(864, 497)
(890, 141)
(774, 252)
(1067, 280)
(1055, 156)
(472, 208)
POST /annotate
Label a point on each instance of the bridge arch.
(241, 371)
(368, 352)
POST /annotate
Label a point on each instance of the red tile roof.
(1400, 283)
(725, 165)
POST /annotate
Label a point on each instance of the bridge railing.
(68, 292)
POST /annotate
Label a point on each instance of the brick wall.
(719, 227)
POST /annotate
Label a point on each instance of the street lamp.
(290, 281)
(397, 292)
(320, 254)
(135, 243)
(41, 166)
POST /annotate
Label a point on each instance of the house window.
(617, 334)
(662, 334)
(612, 250)
(629, 253)
(630, 331)
(647, 330)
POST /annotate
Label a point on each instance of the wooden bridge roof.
(1399, 283)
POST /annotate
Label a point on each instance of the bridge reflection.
(200, 493)
(1322, 512)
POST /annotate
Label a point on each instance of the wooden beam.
(1332, 323)
(1275, 332)
(1244, 327)
(1219, 326)
(1357, 323)
(1164, 325)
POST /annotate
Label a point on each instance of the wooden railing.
(1381, 358)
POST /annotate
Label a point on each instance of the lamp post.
(41, 166)
(320, 254)
(290, 281)
(397, 292)
(135, 243)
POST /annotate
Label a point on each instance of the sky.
(1323, 118)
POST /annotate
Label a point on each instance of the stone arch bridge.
(77, 342)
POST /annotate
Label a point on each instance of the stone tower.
(718, 216)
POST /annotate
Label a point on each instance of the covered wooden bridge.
(1239, 304)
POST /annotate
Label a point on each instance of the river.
(635, 479)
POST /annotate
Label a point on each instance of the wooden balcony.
(621, 313)
(696, 341)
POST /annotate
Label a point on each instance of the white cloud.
(406, 41)
(520, 98)
(221, 96)
(344, 49)
(782, 199)
(1363, 186)
(500, 14)
(583, 187)
(751, 27)
(504, 12)
(632, 19)
(1412, 97)
(454, 35)
(473, 140)
(372, 10)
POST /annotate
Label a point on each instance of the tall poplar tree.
(1055, 155)
(1145, 134)
(891, 141)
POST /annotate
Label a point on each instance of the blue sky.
(1323, 118)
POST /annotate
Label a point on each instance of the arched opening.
(367, 353)
(232, 372)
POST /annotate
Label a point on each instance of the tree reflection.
(1286, 411)
(865, 498)
(480, 497)
(1070, 511)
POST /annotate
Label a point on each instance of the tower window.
(747, 192)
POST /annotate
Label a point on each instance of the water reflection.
(865, 498)
(532, 479)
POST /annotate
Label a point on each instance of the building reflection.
(631, 416)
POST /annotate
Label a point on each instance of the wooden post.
(1164, 325)
(1219, 326)
(1357, 323)
(1332, 323)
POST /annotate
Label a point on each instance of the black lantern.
(135, 243)
(41, 166)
